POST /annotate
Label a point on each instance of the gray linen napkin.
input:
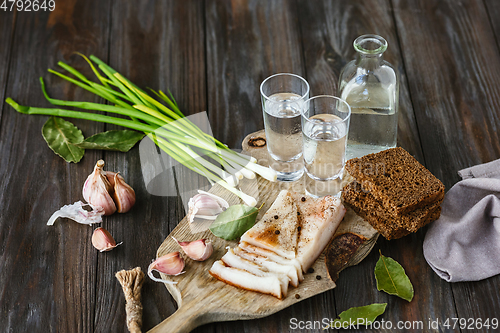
(464, 243)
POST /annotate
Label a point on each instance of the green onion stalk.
(160, 118)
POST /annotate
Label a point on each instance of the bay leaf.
(392, 279)
(234, 221)
(62, 137)
(362, 315)
(117, 140)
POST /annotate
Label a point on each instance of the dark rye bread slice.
(374, 213)
(397, 180)
(360, 200)
(388, 229)
(394, 233)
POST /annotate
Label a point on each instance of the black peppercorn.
(303, 199)
(277, 232)
(310, 270)
(276, 217)
(318, 277)
(297, 296)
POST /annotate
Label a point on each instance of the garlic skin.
(96, 190)
(110, 175)
(169, 264)
(77, 213)
(102, 240)
(206, 206)
(123, 194)
(199, 250)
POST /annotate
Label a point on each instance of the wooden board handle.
(180, 321)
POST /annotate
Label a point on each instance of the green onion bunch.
(160, 118)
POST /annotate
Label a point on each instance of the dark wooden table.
(213, 55)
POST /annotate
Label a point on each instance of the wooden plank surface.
(158, 45)
(7, 21)
(213, 55)
(493, 12)
(452, 41)
(47, 273)
(247, 41)
(457, 112)
(328, 33)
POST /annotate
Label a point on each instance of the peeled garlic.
(97, 189)
(102, 240)
(206, 206)
(123, 194)
(169, 264)
(199, 250)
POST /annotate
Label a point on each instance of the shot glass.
(283, 96)
(325, 125)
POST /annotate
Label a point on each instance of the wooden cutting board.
(203, 299)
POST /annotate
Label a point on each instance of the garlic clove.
(169, 264)
(96, 190)
(124, 194)
(110, 175)
(102, 240)
(222, 203)
(205, 205)
(199, 250)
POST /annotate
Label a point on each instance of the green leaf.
(392, 279)
(61, 136)
(234, 221)
(118, 140)
(362, 315)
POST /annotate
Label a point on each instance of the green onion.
(164, 124)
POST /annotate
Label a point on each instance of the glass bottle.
(370, 85)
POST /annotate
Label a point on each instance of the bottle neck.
(370, 49)
(369, 62)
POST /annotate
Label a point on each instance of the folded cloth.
(464, 243)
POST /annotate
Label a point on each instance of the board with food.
(285, 251)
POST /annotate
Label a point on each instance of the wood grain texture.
(158, 45)
(329, 30)
(457, 110)
(7, 21)
(45, 271)
(452, 43)
(213, 55)
(247, 41)
(493, 11)
(203, 299)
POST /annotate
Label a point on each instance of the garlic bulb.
(199, 250)
(97, 189)
(123, 194)
(205, 205)
(102, 240)
(169, 264)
